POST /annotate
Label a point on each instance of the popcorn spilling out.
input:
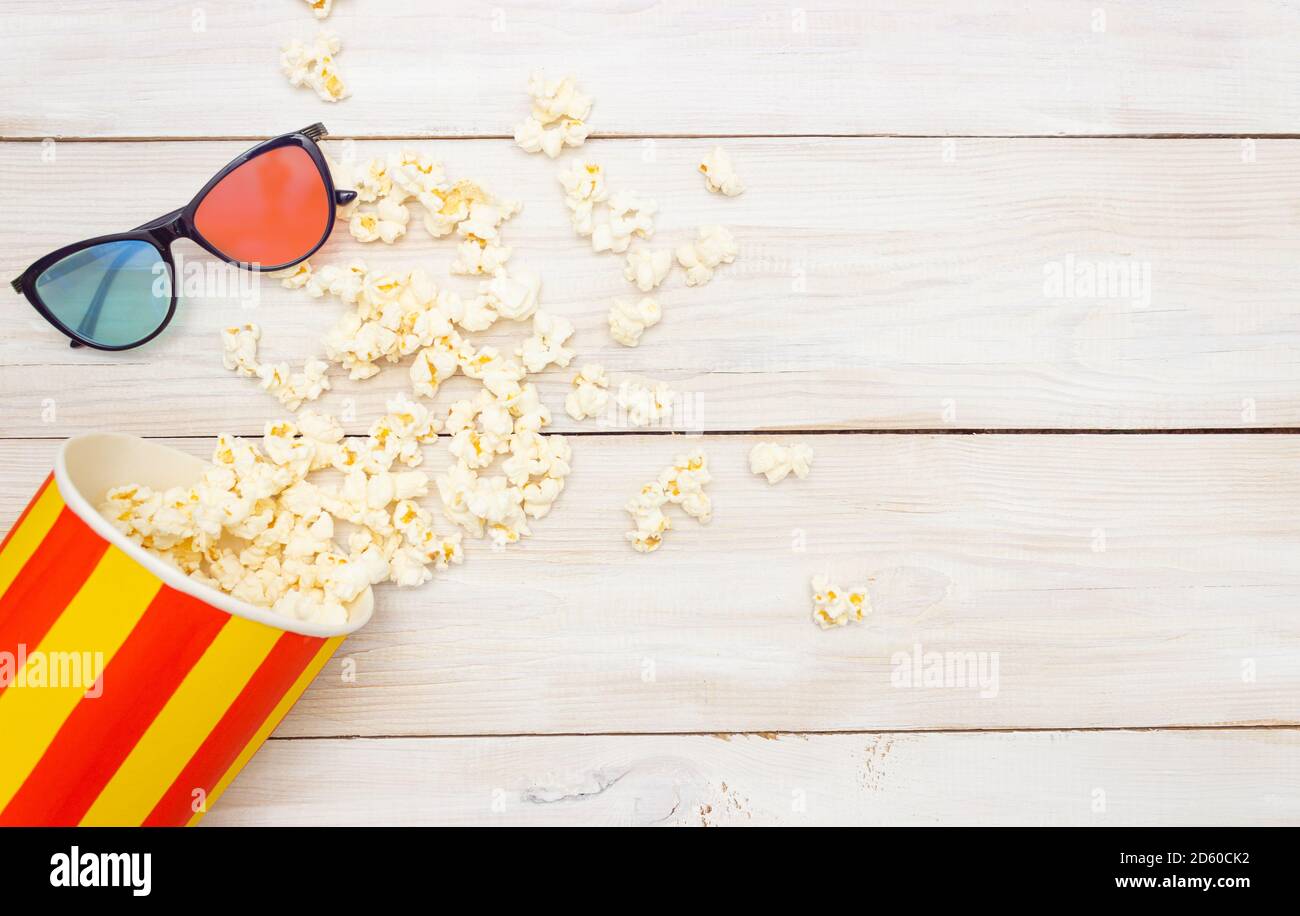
(641, 404)
(647, 269)
(682, 484)
(720, 175)
(312, 65)
(628, 319)
(255, 527)
(776, 462)
(713, 246)
(558, 118)
(590, 394)
(835, 607)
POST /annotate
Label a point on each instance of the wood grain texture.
(880, 286)
(1113, 580)
(1115, 778)
(832, 67)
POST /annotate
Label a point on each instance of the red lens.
(272, 210)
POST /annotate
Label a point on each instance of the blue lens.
(115, 294)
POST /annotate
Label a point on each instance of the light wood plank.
(1228, 777)
(1115, 580)
(879, 286)
(161, 68)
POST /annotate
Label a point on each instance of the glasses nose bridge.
(167, 228)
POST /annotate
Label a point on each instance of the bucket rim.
(359, 611)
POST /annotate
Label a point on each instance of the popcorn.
(776, 462)
(475, 256)
(584, 187)
(682, 484)
(313, 66)
(257, 528)
(628, 319)
(557, 99)
(720, 175)
(435, 364)
(647, 269)
(295, 277)
(344, 282)
(414, 174)
(546, 346)
(239, 345)
(629, 216)
(590, 394)
(292, 388)
(387, 223)
(644, 404)
(400, 433)
(713, 246)
(558, 117)
(833, 607)
(321, 8)
(514, 297)
(646, 509)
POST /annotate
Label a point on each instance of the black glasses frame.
(160, 233)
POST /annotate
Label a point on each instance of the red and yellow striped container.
(190, 681)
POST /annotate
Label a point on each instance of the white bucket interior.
(89, 466)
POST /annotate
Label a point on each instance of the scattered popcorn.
(833, 607)
(321, 8)
(776, 462)
(295, 277)
(590, 393)
(239, 344)
(514, 298)
(558, 118)
(683, 484)
(628, 320)
(642, 404)
(313, 66)
(399, 434)
(629, 216)
(646, 509)
(474, 256)
(647, 269)
(714, 246)
(720, 175)
(584, 187)
(546, 346)
(292, 388)
(386, 223)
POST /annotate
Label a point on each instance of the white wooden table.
(1100, 490)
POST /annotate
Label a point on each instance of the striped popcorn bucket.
(130, 693)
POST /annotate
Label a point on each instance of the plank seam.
(797, 431)
(775, 735)
(255, 138)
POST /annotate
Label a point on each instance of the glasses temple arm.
(90, 320)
